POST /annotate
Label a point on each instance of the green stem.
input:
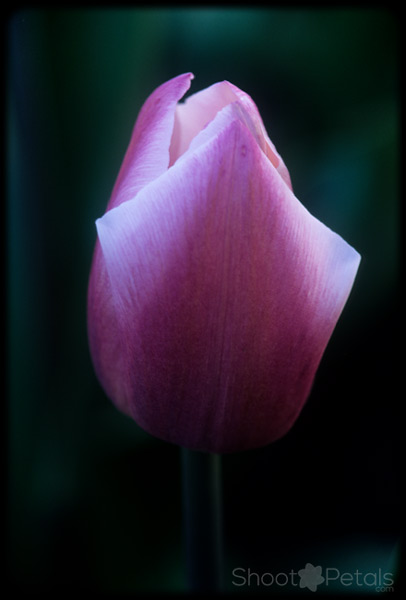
(202, 520)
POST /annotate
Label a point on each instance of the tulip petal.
(102, 326)
(195, 113)
(254, 122)
(146, 158)
(147, 155)
(225, 292)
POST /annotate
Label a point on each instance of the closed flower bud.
(213, 292)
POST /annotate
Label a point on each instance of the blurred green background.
(93, 501)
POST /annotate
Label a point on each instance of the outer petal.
(104, 341)
(146, 158)
(147, 155)
(226, 292)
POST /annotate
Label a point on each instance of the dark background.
(93, 501)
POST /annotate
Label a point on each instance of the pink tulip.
(213, 291)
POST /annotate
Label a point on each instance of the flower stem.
(201, 473)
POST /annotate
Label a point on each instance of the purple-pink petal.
(216, 293)
(147, 155)
(146, 158)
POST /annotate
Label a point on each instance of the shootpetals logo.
(310, 577)
(313, 578)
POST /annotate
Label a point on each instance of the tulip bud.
(213, 292)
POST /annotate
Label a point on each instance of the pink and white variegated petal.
(226, 291)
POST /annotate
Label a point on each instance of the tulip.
(213, 291)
